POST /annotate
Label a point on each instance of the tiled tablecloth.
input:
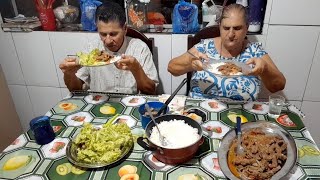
(24, 159)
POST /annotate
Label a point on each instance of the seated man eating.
(134, 73)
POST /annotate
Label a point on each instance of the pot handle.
(145, 145)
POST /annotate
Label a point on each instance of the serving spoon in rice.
(163, 140)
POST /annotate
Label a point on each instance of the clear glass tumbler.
(276, 103)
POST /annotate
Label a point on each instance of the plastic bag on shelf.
(88, 12)
(185, 18)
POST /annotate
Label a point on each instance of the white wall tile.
(63, 44)
(21, 99)
(311, 110)
(162, 55)
(292, 49)
(295, 12)
(313, 86)
(9, 60)
(64, 92)
(179, 46)
(43, 98)
(35, 56)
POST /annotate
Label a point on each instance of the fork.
(163, 140)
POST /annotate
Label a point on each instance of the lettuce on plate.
(88, 59)
(104, 145)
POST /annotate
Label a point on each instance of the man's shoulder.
(136, 42)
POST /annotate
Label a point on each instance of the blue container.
(146, 119)
(256, 14)
(42, 130)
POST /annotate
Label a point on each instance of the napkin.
(176, 106)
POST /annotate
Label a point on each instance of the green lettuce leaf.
(103, 145)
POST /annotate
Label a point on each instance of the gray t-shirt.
(110, 79)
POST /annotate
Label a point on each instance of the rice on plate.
(178, 133)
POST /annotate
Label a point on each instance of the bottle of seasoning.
(42, 130)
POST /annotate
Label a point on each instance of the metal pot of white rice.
(183, 134)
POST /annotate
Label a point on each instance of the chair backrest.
(205, 33)
(131, 32)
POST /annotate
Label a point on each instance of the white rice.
(214, 68)
(178, 133)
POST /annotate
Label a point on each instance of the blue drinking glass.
(42, 130)
(146, 119)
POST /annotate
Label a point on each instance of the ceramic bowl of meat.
(270, 152)
(226, 68)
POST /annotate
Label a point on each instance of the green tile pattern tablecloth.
(40, 162)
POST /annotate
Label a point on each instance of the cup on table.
(276, 103)
(144, 117)
(42, 130)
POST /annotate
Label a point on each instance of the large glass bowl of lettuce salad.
(96, 147)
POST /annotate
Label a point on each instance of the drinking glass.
(276, 103)
(42, 130)
(145, 119)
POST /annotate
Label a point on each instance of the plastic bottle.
(137, 14)
(205, 13)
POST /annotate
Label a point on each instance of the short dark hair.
(111, 12)
(232, 7)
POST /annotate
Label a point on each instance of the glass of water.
(276, 103)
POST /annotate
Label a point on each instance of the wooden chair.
(131, 32)
(205, 33)
(134, 33)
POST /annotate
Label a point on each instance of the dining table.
(25, 159)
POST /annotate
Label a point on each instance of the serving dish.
(268, 128)
(71, 149)
(211, 66)
(72, 157)
(172, 155)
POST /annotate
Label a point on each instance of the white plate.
(113, 60)
(97, 64)
(211, 66)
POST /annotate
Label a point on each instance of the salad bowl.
(100, 145)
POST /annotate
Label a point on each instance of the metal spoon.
(163, 140)
(240, 149)
(171, 97)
